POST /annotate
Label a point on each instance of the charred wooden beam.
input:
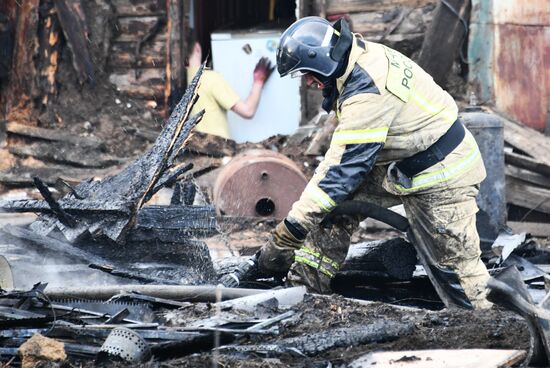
(55, 135)
(65, 153)
(180, 142)
(73, 22)
(169, 178)
(317, 343)
(177, 217)
(22, 81)
(395, 258)
(203, 341)
(68, 205)
(21, 176)
(188, 193)
(63, 216)
(444, 38)
(171, 224)
(133, 184)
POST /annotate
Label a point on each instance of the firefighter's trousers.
(443, 228)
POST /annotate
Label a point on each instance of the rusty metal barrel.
(258, 183)
(488, 132)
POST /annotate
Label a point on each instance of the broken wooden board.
(172, 224)
(527, 163)
(211, 145)
(528, 176)
(22, 176)
(526, 195)
(65, 153)
(132, 185)
(56, 135)
(177, 217)
(462, 358)
(350, 6)
(527, 140)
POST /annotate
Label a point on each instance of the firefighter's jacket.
(388, 110)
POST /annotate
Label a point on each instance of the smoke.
(30, 267)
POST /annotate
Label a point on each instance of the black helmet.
(312, 44)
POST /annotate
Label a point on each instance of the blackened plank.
(75, 29)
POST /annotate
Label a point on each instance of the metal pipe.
(173, 292)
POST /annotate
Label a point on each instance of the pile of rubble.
(282, 328)
(100, 233)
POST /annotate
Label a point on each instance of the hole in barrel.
(265, 207)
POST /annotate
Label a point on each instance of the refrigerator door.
(235, 55)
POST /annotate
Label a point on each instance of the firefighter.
(217, 96)
(399, 140)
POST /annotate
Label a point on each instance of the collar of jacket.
(355, 53)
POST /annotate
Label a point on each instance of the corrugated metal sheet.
(510, 53)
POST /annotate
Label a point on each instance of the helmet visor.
(287, 61)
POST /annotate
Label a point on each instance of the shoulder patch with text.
(400, 74)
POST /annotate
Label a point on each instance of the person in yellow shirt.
(216, 95)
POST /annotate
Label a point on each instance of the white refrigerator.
(234, 55)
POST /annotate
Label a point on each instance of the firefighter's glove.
(263, 70)
(286, 235)
(277, 255)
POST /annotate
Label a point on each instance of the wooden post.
(444, 38)
(22, 76)
(48, 52)
(175, 68)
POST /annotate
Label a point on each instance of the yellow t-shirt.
(216, 97)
